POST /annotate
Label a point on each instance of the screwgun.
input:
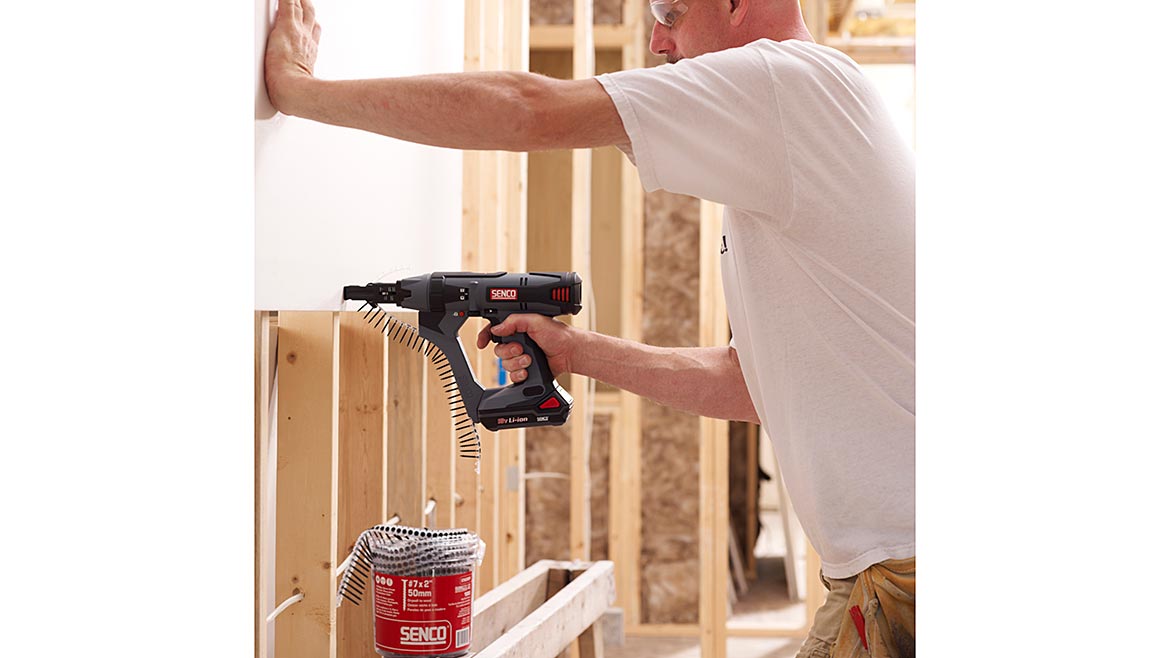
(444, 301)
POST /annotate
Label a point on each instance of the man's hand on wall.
(292, 51)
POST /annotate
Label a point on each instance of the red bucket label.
(422, 615)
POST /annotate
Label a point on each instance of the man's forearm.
(701, 380)
(510, 111)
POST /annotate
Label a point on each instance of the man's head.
(711, 25)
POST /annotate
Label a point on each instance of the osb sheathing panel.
(670, 447)
(560, 12)
(546, 521)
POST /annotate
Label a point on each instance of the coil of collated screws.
(422, 583)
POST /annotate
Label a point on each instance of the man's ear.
(738, 11)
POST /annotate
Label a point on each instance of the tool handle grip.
(539, 373)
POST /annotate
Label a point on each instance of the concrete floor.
(671, 647)
(766, 604)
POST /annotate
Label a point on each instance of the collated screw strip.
(406, 551)
(468, 433)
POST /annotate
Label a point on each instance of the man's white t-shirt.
(818, 268)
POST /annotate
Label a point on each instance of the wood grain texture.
(497, 611)
(626, 483)
(580, 231)
(514, 180)
(361, 444)
(305, 508)
(265, 373)
(405, 457)
(561, 619)
(440, 450)
(713, 488)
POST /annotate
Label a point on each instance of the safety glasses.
(667, 11)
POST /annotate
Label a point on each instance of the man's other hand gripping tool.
(444, 301)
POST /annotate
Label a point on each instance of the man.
(817, 257)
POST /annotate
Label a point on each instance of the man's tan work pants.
(870, 615)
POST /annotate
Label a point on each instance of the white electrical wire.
(540, 475)
(429, 513)
(344, 565)
(295, 598)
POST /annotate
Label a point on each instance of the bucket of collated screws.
(422, 582)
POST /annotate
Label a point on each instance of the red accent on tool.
(551, 403)
(859, 622)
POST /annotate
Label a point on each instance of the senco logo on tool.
(503, 294)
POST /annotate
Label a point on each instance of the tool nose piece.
(375, 293)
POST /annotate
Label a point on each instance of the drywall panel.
(336, 206)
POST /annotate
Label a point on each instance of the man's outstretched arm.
(510, 111)
(706, 381)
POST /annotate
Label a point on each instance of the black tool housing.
(445, 300)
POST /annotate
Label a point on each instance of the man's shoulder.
(800, 56)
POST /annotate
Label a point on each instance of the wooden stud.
(876, 50)
(265, 373)
(592, 642)
(560, 37)
(843, 21)
(361, 441)
(466, 477)
(489, 258)
(497, 611)
(405, 456)
(514, 239)
(816, 18)
(560, 620)
(626, 460)
(306, 495)
(440, 450)
(557, 578)
(713, 435)
(579, 509)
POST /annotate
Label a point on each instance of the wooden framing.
(558, 37)
(625, 524)
(361, 462)
(579, 514)
(539, 612)
(338, 451)
(713, 437)
(265, 372)
(514, 183)
(834, 29)
(306, 494)
(405, 447)
(467, 481)
(440, 453)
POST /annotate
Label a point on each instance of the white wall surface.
(336, 206)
